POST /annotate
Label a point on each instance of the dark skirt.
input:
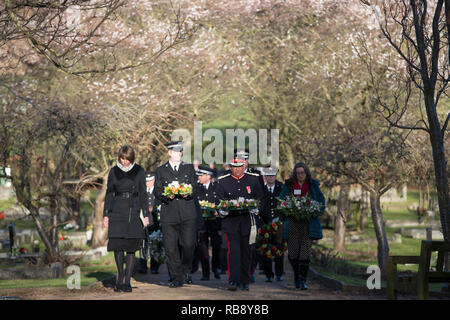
(123, 244)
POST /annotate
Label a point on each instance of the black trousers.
(178, 236)
(154, 265)
(279, 266)
(237, 233)
(206, 237)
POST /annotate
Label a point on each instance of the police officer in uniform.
(150, 185)
(271, 193)
(211, 230)
(237, 224)
(179, 215)
(154, 205)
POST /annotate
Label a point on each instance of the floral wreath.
(267, 243)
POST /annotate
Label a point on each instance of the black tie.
(176, 168)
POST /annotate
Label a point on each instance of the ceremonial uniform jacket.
(271, 202)
(232, 188)
(210, 194)
(179, 209)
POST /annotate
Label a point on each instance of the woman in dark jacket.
(126, 198)
(302, 232)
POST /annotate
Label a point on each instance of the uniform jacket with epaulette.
(209, 194)
(232, 188)
(179, 209)
(271, 202)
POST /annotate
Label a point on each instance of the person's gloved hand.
(223, 213)
(254, 211)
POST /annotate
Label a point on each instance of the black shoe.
(269, 279)
(303, 285)
(217, 274)
(205, 278)
(188, 279)
(279, 278)
(245, 287)
(155, 272)
(175, 284)
(127, 288)
(117, 288)
(232, 286)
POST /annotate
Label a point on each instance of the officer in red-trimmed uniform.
(237, 224)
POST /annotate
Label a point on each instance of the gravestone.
(57, 270)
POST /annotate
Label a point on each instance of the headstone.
(57, 270)
(429, 234)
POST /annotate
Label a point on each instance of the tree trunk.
(54, 212)
(380, 231)
(364, 213)
(442, 191)
(340, 219)
(52, 252)
(420, 196)
(100, 234)
(22, 188)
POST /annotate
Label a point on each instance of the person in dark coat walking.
(302, 232)
(272, 191)
(237, 224)
(126, 213)
(179, 215)
(211, 231)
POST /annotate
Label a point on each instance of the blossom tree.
(417, 31)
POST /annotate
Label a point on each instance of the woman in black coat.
(126, 198)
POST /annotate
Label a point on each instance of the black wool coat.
(124, 212)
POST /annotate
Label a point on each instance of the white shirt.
(175, 166)
(207, 185)
(270, 188)
(150, 190)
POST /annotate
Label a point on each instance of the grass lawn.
(358, 256)
(399, 210)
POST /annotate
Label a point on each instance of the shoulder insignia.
(161, 166)
(226, 175)
(253, 174)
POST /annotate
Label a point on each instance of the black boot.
(303, 271)
(295, 268)
(128, 272)
(119, 257)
